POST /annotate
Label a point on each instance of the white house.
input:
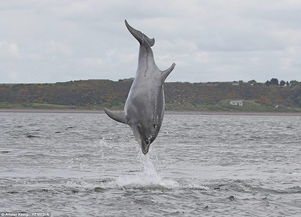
(237, 102)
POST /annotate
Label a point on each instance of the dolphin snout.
(145, 146)
(145, 149)
(144, 137)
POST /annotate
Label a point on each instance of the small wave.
(12, 192)
(77, 184)
(234, 185)
(38, 190)
(291, 190)
(70, 127)
(295, 189)
(195, 186)
(99, 189)
(106, 180)
(31, 136)
(34, 155)
(140, 181)
(149, 183)
(247, 187)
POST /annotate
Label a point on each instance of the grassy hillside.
(97, 94)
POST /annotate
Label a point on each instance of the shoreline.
(71, 111)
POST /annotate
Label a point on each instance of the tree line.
(114, 93)
(282, 83)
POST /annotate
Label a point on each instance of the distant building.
(235, 83)
(279, 106)
(237, 102)
(211, 84)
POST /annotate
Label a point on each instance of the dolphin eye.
(155, 126)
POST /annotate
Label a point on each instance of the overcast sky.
(209, 40)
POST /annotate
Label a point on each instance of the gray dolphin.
(145, 104)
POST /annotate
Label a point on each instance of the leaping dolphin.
(145, 104)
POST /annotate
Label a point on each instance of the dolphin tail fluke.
(116, 115)
(166, 72)
(142, 38)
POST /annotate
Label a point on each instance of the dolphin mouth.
(145, 147)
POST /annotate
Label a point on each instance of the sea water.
(199, 165)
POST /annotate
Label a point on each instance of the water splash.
(147, 178)
(149, 171)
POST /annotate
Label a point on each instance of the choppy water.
(200, 165)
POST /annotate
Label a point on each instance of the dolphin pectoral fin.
(166, 72)
(142, 38)
(116, 115)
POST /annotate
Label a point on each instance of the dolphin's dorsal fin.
(166, 72)
(142, 38)
(116, 115)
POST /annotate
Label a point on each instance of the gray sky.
(209, 40)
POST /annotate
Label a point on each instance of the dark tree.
(274, 81)
(282, 83)
(293, 83)
(268, 83)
